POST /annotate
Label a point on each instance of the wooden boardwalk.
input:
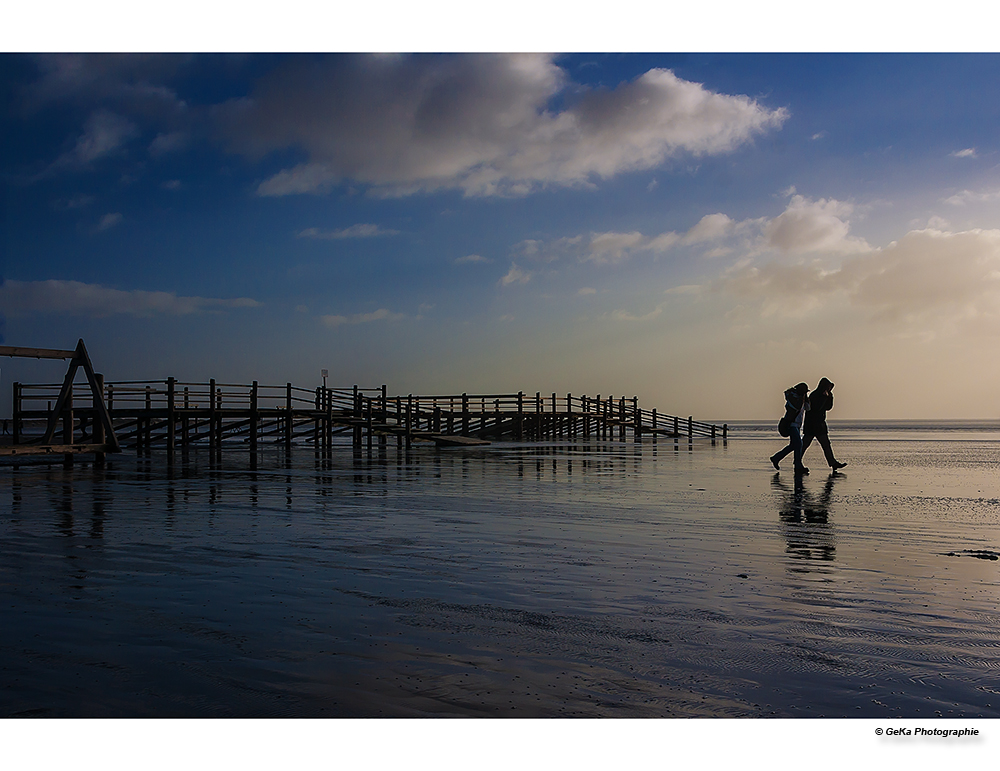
(172, 414)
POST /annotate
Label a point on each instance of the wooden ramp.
(451, 440)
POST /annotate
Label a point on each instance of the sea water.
(590, 578)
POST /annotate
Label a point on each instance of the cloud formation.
(471, 258)
(108, 221)
(925, 272)
(362, 230)
(22, 298)
(813, 226)
(483, 124)
(104, 133)
(515, 276)
(382, 314)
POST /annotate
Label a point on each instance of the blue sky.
(700, 230)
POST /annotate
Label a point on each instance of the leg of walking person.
(824, 441)
(796, 442)
(778, 456)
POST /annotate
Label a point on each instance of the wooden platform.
(177, 415)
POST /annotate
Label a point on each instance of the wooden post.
(329, 419)
(465, 414)
(654, 425)
(17, 414)
(621, 419)
(68, 419)
(368, 422)
(690, 429)
(637, 425)
(185, 421)
(725, 431)
(253, 419)
(288, 417)
(383, 418)
(170, 415)
(519, 426)
(399, 422)
(68, 425)
(409, 419)
(357, 414)
(98, 429)
(585, 409)
(538, 415)
(218, 419)
(212, 442)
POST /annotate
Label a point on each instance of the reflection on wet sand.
(586, 579)
(806, 521)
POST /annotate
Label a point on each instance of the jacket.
(820, 402)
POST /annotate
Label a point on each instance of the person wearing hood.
(796, 409)
(820, 402)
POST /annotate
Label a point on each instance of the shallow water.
(526, 580)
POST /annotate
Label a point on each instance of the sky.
(698, 230)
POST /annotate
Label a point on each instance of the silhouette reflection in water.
(805, 519)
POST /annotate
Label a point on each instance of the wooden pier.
(179, 415)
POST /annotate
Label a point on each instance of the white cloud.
(813, 226)
(382, 314)
(587, 290)
(925, 272)
(104, 133)
(168, 143)
(479, 123)
(471, 258)
(818, 135)
(968, 152)
(108, 221)
(362, 230)
(968, 196)
(621, 315)
(19, 298)
(711, 227)
(606, 248)
(515, 276)
(133, 81)
(76, 202)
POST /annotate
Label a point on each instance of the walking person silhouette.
(796, 408)
(820, 402)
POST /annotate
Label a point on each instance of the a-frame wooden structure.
(102, 423)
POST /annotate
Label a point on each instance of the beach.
(565, 579)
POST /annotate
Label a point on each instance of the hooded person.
(796, 409)
(820, 402)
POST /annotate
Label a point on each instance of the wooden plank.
(36, 353)
(451, 440)
(55, 449)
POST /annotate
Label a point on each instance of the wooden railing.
(149, 411)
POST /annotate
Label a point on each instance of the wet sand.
(596, 580)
